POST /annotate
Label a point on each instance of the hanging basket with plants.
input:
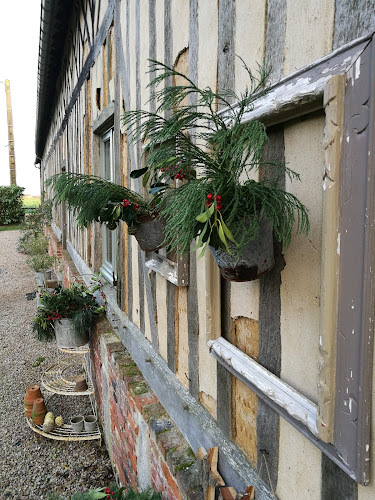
(221, 205)
(94, 199)
(67, 314)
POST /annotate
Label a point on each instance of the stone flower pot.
(77, 424)
(256, 259)
(150, 232)
(90, 423)
(66, 335)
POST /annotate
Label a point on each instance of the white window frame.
(108, 267)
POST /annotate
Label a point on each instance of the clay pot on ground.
(39, 411)
(256, 259)
(77, 424)
(32, 393)
(150, 232)
(81, 384)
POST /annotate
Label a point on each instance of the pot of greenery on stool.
(67, 314)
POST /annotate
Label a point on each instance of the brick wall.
(145, 446)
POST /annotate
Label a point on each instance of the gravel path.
(32, 466)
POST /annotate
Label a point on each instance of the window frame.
(342, 435)
(108, 267)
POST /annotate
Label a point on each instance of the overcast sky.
(19, 40)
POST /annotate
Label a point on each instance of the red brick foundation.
(145, 446)
(131, 415)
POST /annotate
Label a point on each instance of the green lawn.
(31, 201)
(11, 227)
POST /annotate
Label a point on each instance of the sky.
(19, 42)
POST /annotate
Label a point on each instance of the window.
(109, 253)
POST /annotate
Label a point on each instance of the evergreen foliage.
(95, 199)
(11, 206)
(218, 155)
(77, 303)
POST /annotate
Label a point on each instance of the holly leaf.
(134, 174)
(146, 178)
(222, 236)
(203, 217)
(228, 233)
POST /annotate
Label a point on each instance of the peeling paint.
(348, 139)
(357, 68)
(338, 243)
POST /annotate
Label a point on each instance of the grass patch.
(29, 201)
(11, 227)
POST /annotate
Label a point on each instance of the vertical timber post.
(12, 161)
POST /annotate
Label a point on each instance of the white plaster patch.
(338, 243)
(348, 138)
(357, 68)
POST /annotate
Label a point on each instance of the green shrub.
(11, 206)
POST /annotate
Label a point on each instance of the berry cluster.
(126, 204)
(179, 174)
(108, 492)
(211, 198)
(55, 316)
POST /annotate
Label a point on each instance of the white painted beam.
(254, 375)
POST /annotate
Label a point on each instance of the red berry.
(136, 206)
(208, 203)
(218, 198)
(218, 206)
(209, 196)
(162, 170)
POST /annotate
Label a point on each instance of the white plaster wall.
(245, 299)
(180, 26)
(161, 308)
(300, 288)
(208, 280)
(208, 39)
(299, 466)
(159, 22)
(144, 55)
(249, 39)
(308, 36)
(208, 276)
(135, 283)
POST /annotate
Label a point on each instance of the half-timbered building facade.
(277, 373)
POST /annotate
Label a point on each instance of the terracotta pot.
(255, 260)
(66, 335)
(81, 384)
(39, 411)
(32, 393)
(150, 232)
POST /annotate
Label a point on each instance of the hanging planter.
(235, 181)
(96, 199)
(255, 260)
(67, 336)
(150, 232)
